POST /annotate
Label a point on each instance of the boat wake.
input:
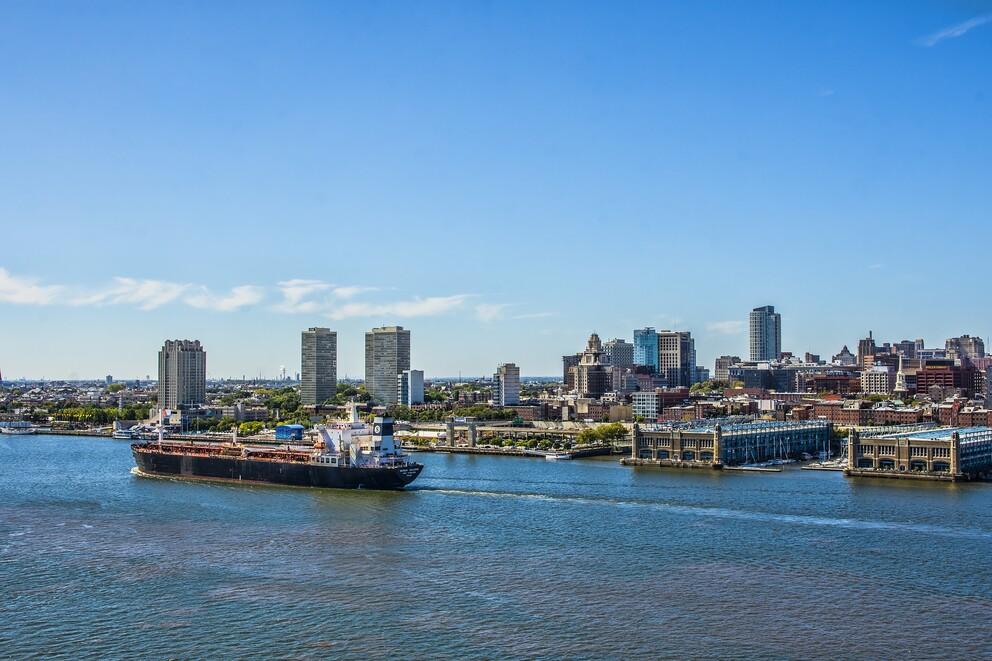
(725, 513)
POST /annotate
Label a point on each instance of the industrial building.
(947, 453)
(716, 442)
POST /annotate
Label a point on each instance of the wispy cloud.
(298, 296)
(955, 31)
(143, 294)
(488, 312)
(730, 327)
(239, 297)
(876, 267)
(26, 291)
(352, 291)
(416, 307)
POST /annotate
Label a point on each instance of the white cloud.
(730, 327)
(296, 295)
(534, 315)
(416, 307)
(488, 312)
(26, 291)
(955, 31)
(145, 294)
(352, 291)
(239, 297)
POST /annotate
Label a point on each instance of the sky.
(502, 178)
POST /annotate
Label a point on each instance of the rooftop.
(944, 434)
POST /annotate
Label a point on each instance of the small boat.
(18, 428)
(557, 456)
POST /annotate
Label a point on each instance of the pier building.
(946, 453)
(716, 442)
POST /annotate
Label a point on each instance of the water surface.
(487, 557)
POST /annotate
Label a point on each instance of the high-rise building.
(966, 347)
(319, 364)
(723, 364)
(592, 376)
(387, 354)
(906, 349)
(866, 347)
(646, 348)
(676, 358)
(182, 374)
(568, 364)
(619, 353)
(766, 333)
(410, 387)
(506, 385)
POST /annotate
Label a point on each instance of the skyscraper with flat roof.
(677, 358)
(646, 348)
(766, 333)
(182, 374)
(387, 355)
(319, 366)
(506, 385)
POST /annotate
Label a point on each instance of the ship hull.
(272, 472)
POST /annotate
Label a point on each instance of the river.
(487, 557)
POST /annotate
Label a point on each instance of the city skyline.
(276, 372)
(176, 174)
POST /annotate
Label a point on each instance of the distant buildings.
(765, 327)
(410, 387)
(182, 374)
(592, 375)
(619, 353)
(866, 347)
(506, 385)
(723, 364)
(319, 364)
(878, 380)
(845, 358)
(966, 347)
(646, 348)
(676, 358)
(387, 355)
(568, 364)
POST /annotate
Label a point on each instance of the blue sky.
(502, 178)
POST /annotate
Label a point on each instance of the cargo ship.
(350, 455)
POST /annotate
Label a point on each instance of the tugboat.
(344, 456)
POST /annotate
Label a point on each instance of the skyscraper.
(387, 354)
(721, 370)
(965, 346)
(646, 348)
(592, 376)
(766, 333)
(619, 353)
(676, 358)
(319, 365)
(182, 374)
(506, 385)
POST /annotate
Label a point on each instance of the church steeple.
(900, 388)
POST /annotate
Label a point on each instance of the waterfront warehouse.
(726, 441)
(947, 453)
